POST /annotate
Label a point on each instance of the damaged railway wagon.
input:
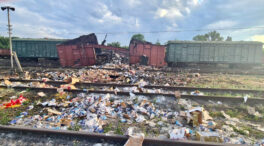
(235, 52)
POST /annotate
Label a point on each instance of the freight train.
(182, 53)
(174, 53)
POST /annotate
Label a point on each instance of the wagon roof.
(37, 39)
(216, 42)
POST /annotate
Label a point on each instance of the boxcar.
(4, 52)
(36, 48)
(235, 52)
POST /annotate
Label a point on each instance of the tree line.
(210, 36)
(4, 42)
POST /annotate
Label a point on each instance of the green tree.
(157, 42)
(4, 42)
(114, 44)
(126, 47)
(228, 38)
(210, 36)
(139, 37)
(15, 37)
(200, 38)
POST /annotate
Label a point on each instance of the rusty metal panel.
(63, 62)
(87, 56)
(155, 53)
(4, 52)
(154, 60)
(76, 56)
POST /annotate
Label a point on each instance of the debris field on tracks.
(155, 117)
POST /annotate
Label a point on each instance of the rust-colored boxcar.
(153, 54)
(76, 55)
(4, 52)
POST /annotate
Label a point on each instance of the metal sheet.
(75, 56)
(214, 52)
(36, 48)
(155, 53)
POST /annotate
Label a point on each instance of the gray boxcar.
(235, 52)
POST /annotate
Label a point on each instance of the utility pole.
(9, 32)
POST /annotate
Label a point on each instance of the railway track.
(96, 138)
(167, 70)
(226, 99)
(169, 88)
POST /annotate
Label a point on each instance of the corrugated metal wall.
(36, 48)
(155, 53)
(198, 52)
(76, 55)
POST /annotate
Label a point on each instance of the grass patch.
(241, 114)
(108, 128)
(118, 129)
(144, 130)
(156, 132)
(216, 114)
(182, 107)
(76, 127)
(260, 108)
(228, 94)
(76, 143)
(4, 117)
(240, 131)
(232, 113)
(254, 118)
(254, 133)
(28, 90)
(228, 81)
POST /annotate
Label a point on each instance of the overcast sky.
(72, 18)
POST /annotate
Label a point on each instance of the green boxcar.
(36, 48)
(236, 52)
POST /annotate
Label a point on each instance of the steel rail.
(169, 70)
(171, 88)
(243, 72)
(104, 137)
(232, 100)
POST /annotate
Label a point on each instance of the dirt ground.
(229, 81)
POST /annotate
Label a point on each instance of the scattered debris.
(82, 40)
(208, 136)
(41, 94)
(158, 117)
(8, 83)
(15, 103)
(245, 98)
(177, 134)
(135, 141)
(196, 92)
(51, 111)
